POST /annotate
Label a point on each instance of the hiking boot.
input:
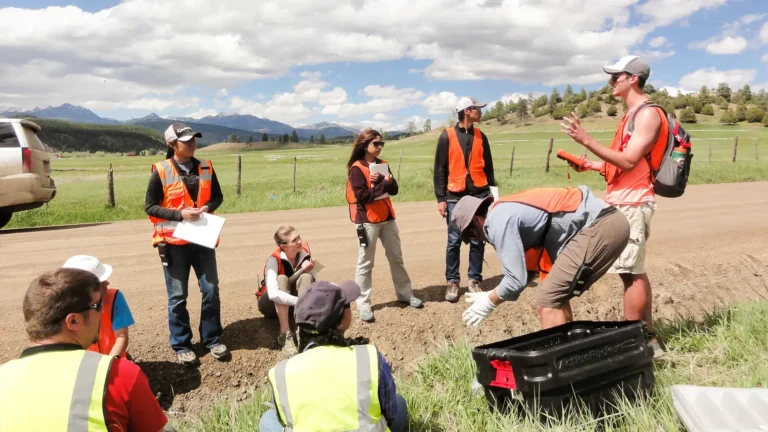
(187, 358)
(452, 292)
(474, 286)
(366, 314)
(219, 351)
(287, 344)
(413, 302)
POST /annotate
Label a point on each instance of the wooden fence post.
(710, 152)
(549, 152)
(756, 156)
(294, 173)
(512, 160)
(239, 173)
(735, 146)
(398, 165)
(110, 188)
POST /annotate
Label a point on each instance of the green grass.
(727, 349)
(267, 178)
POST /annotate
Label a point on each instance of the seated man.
(570, 236)
(328, 386)
(56, 384)
(116, 316)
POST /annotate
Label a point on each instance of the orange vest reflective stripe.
(175, 196)
(106, 333)
(457, 167)
(654, 158)
(550, 200)
(280, 266)
(378, 210)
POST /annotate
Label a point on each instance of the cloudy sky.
(378, 62)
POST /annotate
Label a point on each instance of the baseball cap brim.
(480, 104)
(188, 136)
(350, 290)
(612, 69)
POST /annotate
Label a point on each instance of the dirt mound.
(706, 250)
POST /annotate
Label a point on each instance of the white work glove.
(481, 307)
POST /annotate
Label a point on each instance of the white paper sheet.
(203, 231)
(382, 169)
(495, 193)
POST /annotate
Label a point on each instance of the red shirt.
(129, 403)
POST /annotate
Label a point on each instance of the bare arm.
(647, 125)
(121, 343)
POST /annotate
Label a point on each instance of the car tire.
(5, 218)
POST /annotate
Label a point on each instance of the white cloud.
(764, 58)
(136, 47)
(665, 12)
(441, 103)
(381, 117)
(655, 55)
(749, 19)
(729, 45)
(149, 104)
(658, 42)
(711, 77)
(674, 91)
(764, 34)
(222, 93)
(382, 100)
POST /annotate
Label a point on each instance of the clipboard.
(204, 231)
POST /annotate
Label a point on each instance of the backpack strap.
(631, 123)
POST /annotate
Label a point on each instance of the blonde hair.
(283, 234)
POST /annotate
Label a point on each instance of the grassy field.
(267, 177)
(727, 349)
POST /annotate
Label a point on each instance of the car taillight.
(26, 159)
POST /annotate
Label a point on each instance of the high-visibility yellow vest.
(329, 388)
(54, 391)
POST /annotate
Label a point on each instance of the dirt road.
(706, 249)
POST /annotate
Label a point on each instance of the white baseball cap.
(631, 64)
(91, 264)
(466, 102)
(180, 132)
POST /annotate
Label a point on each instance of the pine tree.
(250, 139)
(724, 91)
(264, 137)
(322, 139)
(294, 136)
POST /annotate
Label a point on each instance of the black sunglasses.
(615, 76)
(379, 144)
(96, 306)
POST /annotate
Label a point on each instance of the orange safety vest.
(620, 140)
(175, 196)
(280, 266)
(106, 333)
(550, 200)
(378, 210)
(457, 168)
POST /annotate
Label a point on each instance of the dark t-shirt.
(188, 173)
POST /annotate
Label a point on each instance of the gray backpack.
(669, 174)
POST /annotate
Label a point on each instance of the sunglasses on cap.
(377, 144)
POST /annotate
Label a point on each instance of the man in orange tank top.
(625, 164)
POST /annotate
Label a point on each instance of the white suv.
(25, 169)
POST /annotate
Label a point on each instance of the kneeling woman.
(287, 274)
(374, 215)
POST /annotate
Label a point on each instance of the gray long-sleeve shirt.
(512, 228)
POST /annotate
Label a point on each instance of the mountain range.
(214, 128)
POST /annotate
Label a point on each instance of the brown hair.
(283, 234)
(362, 141)
(53, 296)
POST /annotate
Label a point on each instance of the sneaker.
(452, 292)
(658, 347)
(287, 344)
(474, 286)
(366, 314)
(187, 358)
(219, 351)
(413, 302)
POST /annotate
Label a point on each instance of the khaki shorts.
(632, 260)
(599, 245)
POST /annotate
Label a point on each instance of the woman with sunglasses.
(287, 275)
(183, 188)
(371, 210)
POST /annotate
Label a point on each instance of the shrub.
(687, 116)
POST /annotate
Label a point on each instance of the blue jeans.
(203, 261)
(271, 423)
(453, 253)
